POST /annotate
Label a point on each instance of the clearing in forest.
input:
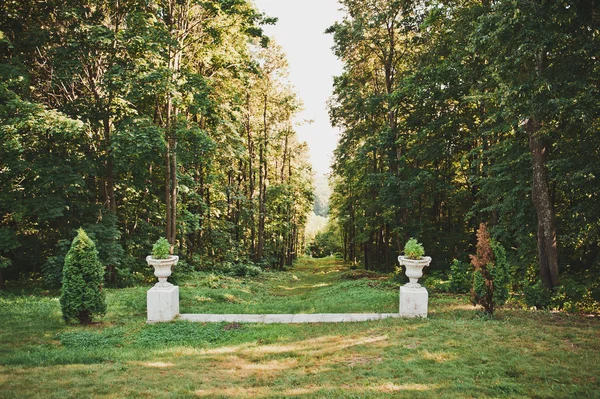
(455, 353)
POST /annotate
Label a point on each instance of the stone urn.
(162, 269)
(414, 269)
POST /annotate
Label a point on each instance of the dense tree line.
(456, 113)
(136, 119)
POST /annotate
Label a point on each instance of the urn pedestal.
(163, 299)
(163, 303)
(413, 297)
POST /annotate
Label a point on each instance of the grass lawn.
(455, 353)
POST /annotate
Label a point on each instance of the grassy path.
(313, 286)
(454, 354)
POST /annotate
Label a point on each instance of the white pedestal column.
(163, 303)
(413, 302)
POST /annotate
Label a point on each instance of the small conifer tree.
(82, 296)
(490, 278)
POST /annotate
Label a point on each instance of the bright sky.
(300, 31)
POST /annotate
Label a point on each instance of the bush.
(461, 277)
(570, 295)
(490, 279)
(245, 270)
(82, 296)
(537, 295)
(436, 281)
(222, 268)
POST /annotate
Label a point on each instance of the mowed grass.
(455, 353)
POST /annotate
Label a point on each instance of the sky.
(300, 31)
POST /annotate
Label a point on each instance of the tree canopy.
(142, 119)
(456, 113)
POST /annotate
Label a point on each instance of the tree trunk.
(178, 22)
(2, 280)
(542, 200)
(84, 317)
(109, 188)
(251, 178)
(172, 192)
(110, 201)
(263, 174)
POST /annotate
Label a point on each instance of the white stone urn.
(414, 269)
(162, 269)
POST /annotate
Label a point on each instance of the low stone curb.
(287, 318)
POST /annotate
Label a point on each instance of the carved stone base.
(163, 303)
(413, 302)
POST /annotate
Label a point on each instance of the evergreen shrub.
(82, 296)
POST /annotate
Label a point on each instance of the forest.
(169, 135)
(139, 119)
(457, 113)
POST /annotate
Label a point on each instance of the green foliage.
(4, 262)
(436, 281)
(161, 249)
(246, 270)
(461, 277)
(87, 151)
(413, 249)
(105, 233)
(52, 270)
(431, 105)
(82, 295)
(537, 295)
(571, 295)
(326, 242)
(44, 160)
(500, 273)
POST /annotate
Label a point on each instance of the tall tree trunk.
(542, 200)
(177, 21)
(109, 189)
(2, 280)
(285, 154)
(109, 184)
(171, 184)
(251, 178)
(263, 174)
